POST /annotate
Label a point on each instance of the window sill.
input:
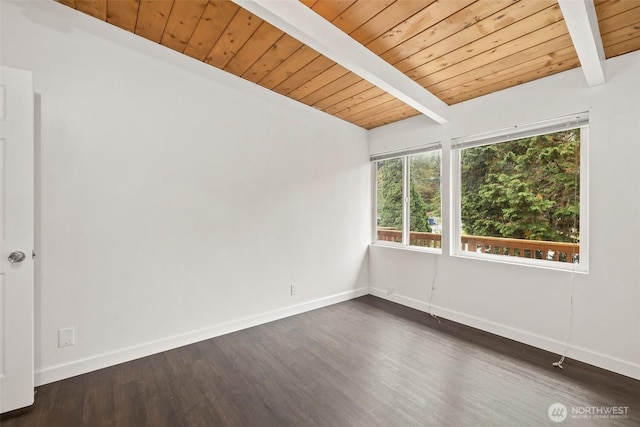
(392, 245)
(527, 262)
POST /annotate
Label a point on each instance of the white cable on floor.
(558, 364)
(433, 287)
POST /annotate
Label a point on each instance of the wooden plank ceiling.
(456, 49)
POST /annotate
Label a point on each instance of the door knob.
(16, 256)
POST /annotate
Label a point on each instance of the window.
(521, 196)
(408, 208)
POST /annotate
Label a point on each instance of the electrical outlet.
(66, 337)
(390, 290)
(294, 289)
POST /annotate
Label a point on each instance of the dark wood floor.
(365, 362)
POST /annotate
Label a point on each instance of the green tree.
(425, 175)
(523, 189)
(418, 220)
(390, 193)
(390, 199)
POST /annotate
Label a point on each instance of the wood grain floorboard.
(364, 362)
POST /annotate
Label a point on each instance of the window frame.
(406, 202)
(574, 121)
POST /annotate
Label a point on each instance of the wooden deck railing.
(538, 249)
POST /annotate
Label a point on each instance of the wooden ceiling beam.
(297, 20)
(582, 22)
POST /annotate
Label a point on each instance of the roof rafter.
(302, 23)
(582, 22)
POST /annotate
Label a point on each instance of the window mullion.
(405, 201)
(374, 202)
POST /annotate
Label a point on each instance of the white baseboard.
(581, 354)
(77, 367)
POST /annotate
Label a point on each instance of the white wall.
(175, 201)
(525, 303)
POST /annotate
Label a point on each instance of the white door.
(16, 238)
